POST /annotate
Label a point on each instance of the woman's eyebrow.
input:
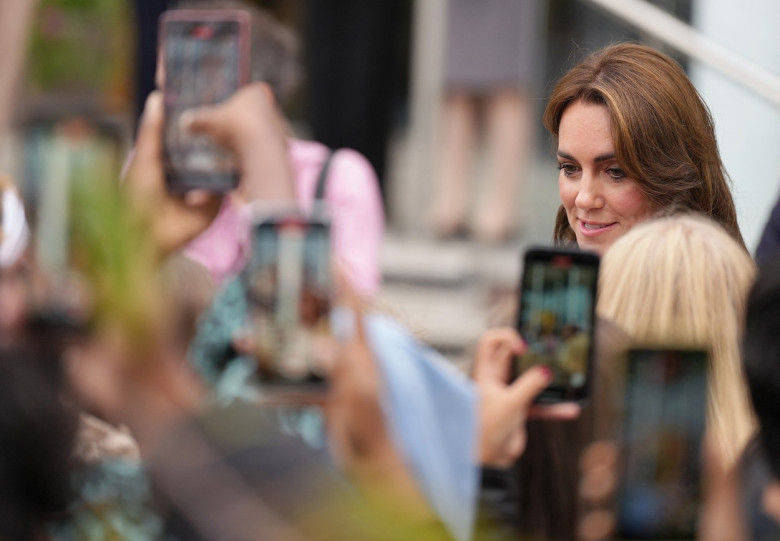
(598, 159)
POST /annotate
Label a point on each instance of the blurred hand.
(175, 219)
(719, 517)
(356, 423)
(598, 482)
(504, 407)
(250, 125)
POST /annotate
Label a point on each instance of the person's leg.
(15, 18)
(508, 117)
(457, 138)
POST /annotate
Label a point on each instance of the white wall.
(748, 127)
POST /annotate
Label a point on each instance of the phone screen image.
(290, 289)
(663, 428)
(205, 62)
(556, 318)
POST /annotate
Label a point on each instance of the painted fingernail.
(546, 371)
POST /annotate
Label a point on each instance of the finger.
(597, 526)
(244, 342)
(528, 386)
(495, 338)
(599, 454)
(356, 305)
(494, 353)
(200, 198)
(567, 411)
(150, 131)
(208, 119)
(350, 299)
(598, 484)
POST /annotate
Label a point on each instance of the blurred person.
(387, 434)
(212, 484)
(341, 178)
(535, 493)
(760, 467)
(491, 53)
(37, 431)
(683, 281)
(678, 281)
(634, 140)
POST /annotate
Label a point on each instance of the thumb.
(528, 386)
(150, 131)
(207, 119)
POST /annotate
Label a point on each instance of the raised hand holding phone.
(505, 407)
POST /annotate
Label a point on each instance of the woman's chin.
(598, 245)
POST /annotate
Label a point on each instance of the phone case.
(556, 319)
(205, 61)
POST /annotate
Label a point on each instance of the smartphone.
(662, 430)
(290, 291)
(556, 319)
(205, 56)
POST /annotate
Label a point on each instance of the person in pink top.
(355, 204)
(351, 191)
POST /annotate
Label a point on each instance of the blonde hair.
(683, 281)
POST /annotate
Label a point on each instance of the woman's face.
(601, 202)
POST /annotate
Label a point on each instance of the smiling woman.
(635, 140)
(601, 201)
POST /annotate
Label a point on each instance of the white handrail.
(689, 41)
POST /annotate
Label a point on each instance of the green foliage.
(111, 247)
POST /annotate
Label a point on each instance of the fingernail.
(546, 371)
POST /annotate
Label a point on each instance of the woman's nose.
(589, 195)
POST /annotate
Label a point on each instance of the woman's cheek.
(568, 192)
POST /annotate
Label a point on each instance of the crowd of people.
(133, 406)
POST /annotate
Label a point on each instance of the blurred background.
(385, 77)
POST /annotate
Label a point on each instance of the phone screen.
(556, 318)
(663, 427)
(290, 289)
(205, 62)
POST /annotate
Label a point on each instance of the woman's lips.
(593, 229)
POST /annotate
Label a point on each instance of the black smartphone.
(205, 56)
(556, 319)
(663, 425)
(290, 291)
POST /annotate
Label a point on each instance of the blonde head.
(683, 281)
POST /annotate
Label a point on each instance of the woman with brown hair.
(634, 140)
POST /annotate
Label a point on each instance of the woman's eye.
(568, 168)
(616, 173)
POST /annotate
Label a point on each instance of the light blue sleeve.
(432, 416)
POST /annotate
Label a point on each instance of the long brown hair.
(663, 132)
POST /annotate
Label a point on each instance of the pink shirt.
(352, 192)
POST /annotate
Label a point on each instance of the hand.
(250, 125)
(598, 482)
(175, 220)
(504, 408)
(719, 516)
(357, 428)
